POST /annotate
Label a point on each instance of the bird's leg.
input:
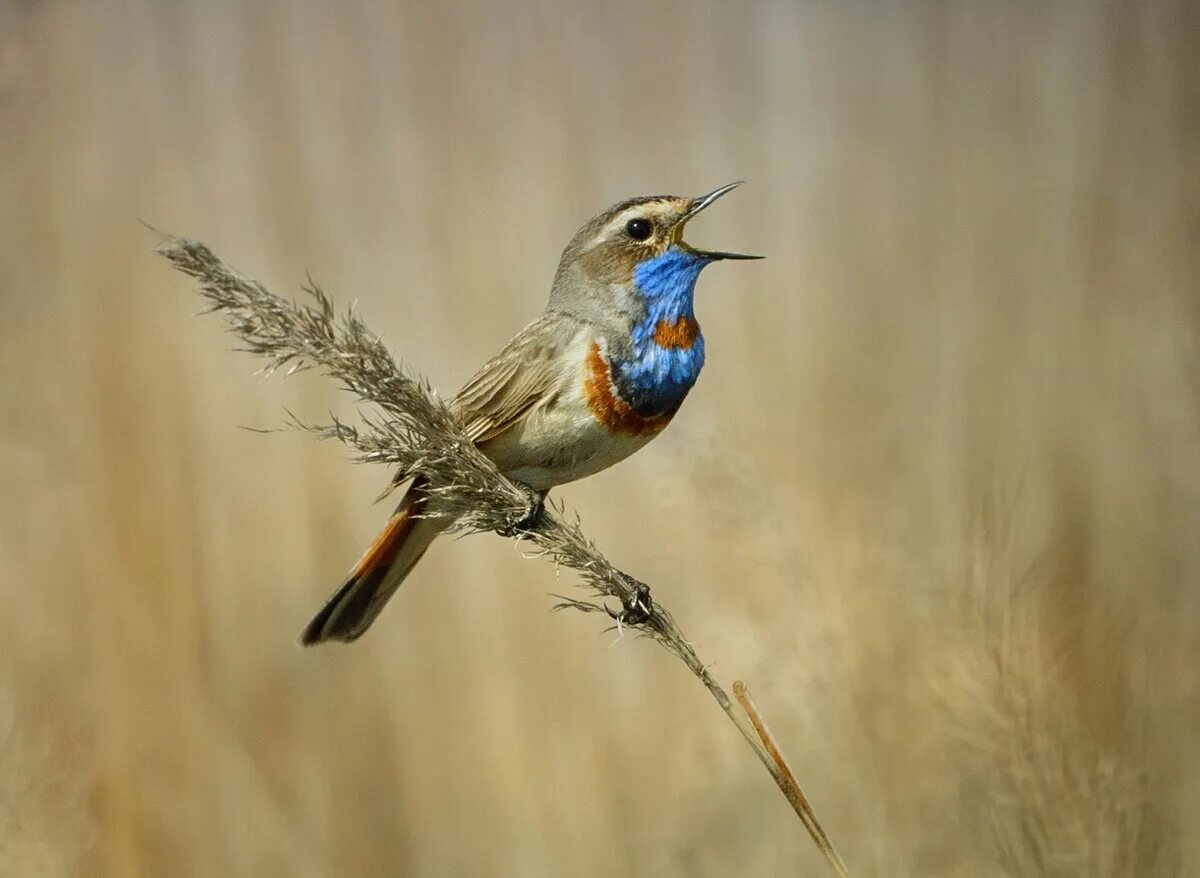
(532, 516)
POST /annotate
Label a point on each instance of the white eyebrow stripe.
(625, 216)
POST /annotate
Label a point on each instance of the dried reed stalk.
(418, 434)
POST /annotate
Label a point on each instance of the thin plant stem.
(777, 764)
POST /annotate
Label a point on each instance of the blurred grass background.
(936, 497)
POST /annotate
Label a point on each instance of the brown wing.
(526, 373)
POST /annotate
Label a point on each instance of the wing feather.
(527, 372)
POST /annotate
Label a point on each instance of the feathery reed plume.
(416, 433)
(1044, 700)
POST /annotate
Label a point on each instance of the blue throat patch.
(668, 349)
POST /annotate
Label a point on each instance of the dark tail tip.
(358, 600)
(345, 615)
(314, 631)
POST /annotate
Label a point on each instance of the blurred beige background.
(936, 496)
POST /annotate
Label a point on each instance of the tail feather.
(351, 609)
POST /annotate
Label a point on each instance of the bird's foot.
(637, 608)
(527, 521)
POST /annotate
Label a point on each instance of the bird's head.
(632, 251)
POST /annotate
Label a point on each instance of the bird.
(599, 374)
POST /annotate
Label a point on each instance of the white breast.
(562, 441)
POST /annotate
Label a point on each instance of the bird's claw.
(637, 608)
(532, 516)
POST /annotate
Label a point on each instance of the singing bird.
(598, 375)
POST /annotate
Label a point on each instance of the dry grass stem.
(786, 779)
(416, 433)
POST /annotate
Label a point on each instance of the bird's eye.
(639, 229)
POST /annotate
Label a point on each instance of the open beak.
(697, 205)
